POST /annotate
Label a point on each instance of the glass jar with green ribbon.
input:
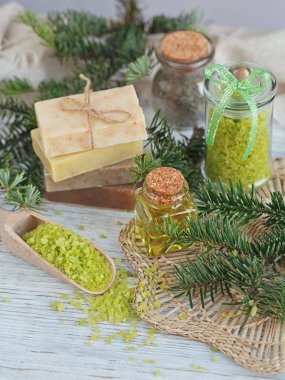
(239, 104)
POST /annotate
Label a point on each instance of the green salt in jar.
(228, 154)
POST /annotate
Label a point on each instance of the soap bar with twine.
(90, 120)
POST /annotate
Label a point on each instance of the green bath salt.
(72, 254)
(224, 157)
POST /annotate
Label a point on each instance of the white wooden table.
(38, 343)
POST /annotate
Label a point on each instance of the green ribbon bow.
(246, 88)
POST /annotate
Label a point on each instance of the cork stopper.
(184, 46)
(165, 181)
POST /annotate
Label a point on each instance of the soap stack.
(87, 144)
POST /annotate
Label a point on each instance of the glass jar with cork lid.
(164, 194)
(178, 84)
(239, 106)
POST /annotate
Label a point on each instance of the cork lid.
(165, 181)
(184, 46)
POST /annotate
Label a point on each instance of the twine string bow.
(245, 88)
(73, 105)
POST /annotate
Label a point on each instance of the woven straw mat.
(260, 347)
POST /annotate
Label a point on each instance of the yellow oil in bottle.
(153, 206)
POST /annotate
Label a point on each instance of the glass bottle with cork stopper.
(178, 84)
(164, 194)
(239, 106)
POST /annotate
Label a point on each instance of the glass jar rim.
(240, 104)
(185, 66)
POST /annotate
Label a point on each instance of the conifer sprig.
(139, 69)
(165, 150)
(17, 193)
(234, 202)
(194, 20)
(40, 26)
(260, 289)
(232, 261)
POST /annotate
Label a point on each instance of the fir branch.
(77, 47)
(218, 233)
(13, 113)
(126, 45)
(77, 34)
(9, 182)
(16, 86)
(232, 259)
(194, 147)
(165, 150)
(11, 105)
(139, 69)
(270, 245)
(99, 73)
(215, 233)
(129, 11)
(40, 25)
(160, 132)
(18, 195)
(28, 197)
(71, 23)
(163, 145)
(7, 160)
(240, 205)
(271, 299)
(249, 276)
(194, 20)
(207, 274)
(144, 165)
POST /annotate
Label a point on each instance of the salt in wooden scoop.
(13, 225)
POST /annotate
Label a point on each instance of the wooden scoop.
(13, 225)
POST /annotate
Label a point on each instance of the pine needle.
(19, 196)
(139, 69)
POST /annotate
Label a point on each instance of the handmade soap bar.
(71, 165)
(119, 197)
(114, 117)
(117, 174)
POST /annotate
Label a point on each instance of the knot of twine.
(73, 105)
(245, 88)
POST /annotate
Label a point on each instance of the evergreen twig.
(234, 202)
(40, 25)
(194, 20)
(15, 86)
(260, 289)
(140, 68)
(17, 194)
(165, 150)
(232, 259)
(129, 11)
